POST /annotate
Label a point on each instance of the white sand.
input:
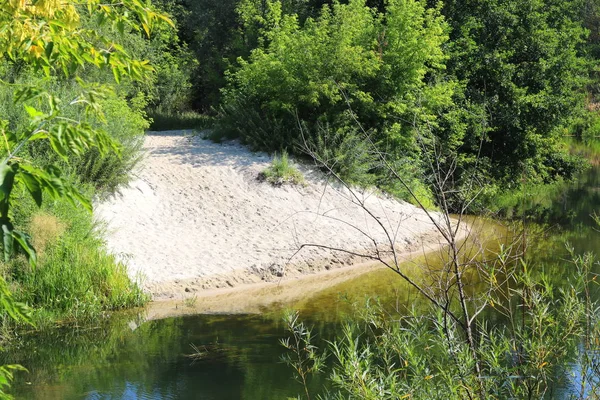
(196, 217)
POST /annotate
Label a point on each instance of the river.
(128, 357)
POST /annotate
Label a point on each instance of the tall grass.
(588, 149)
(76, 278)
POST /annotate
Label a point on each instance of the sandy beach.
(196, 217)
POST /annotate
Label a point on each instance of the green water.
(127, 358)
(152, 362)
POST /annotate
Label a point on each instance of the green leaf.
(50, 182)
(18, 311)
(117, 74)
(53, 102)
(7, 177)
(48, 49)
(24, 242)
(7, 241)
(33, 186)
(75, 195)
(56, 142)
(33, 113)
(58, 23)
(39, 136)
(121, 26)
(26, 93)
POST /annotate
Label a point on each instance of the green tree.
(384, 66)
(520, 64)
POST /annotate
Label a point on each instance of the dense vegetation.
(74, 90)
(464, 105)
(487, 89)
(377, 91)
(490, 86)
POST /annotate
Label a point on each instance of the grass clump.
(281, 171)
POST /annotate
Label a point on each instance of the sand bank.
(197, 218)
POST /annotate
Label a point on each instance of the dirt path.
(197, 218)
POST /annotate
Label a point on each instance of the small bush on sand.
(281, 171)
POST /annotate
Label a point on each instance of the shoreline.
(257, 298)
(198, 218)
(239, 279)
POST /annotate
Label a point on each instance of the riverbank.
(258, 298)
(198, 218)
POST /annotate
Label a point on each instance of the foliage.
(384, 66)
(107, 171)
(6, 377)
(344, 148)
(383, 355)
(520, 61)
(302, 355)
(70, 132)
(179, 120)
(50, 39)
(169, 89)
(211, 30)
(454, 351)
(212, 34)
(75, 278)
(561, 202)
(281, 171)
(258, 130)
(587, 149)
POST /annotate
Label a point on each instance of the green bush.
(383, 66)
(106, 172)
(524, 62)
(344, 150)
(123, 120)
(261, 131)
(281, 171)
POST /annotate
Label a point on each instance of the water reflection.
(152, 362)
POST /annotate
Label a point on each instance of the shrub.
(261, 131)
(342, 148)
(281, 171)
(165, 121)
(124, 121)
(382, 66)
(126, 125)
(383, 354)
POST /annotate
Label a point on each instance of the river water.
(130, 358)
